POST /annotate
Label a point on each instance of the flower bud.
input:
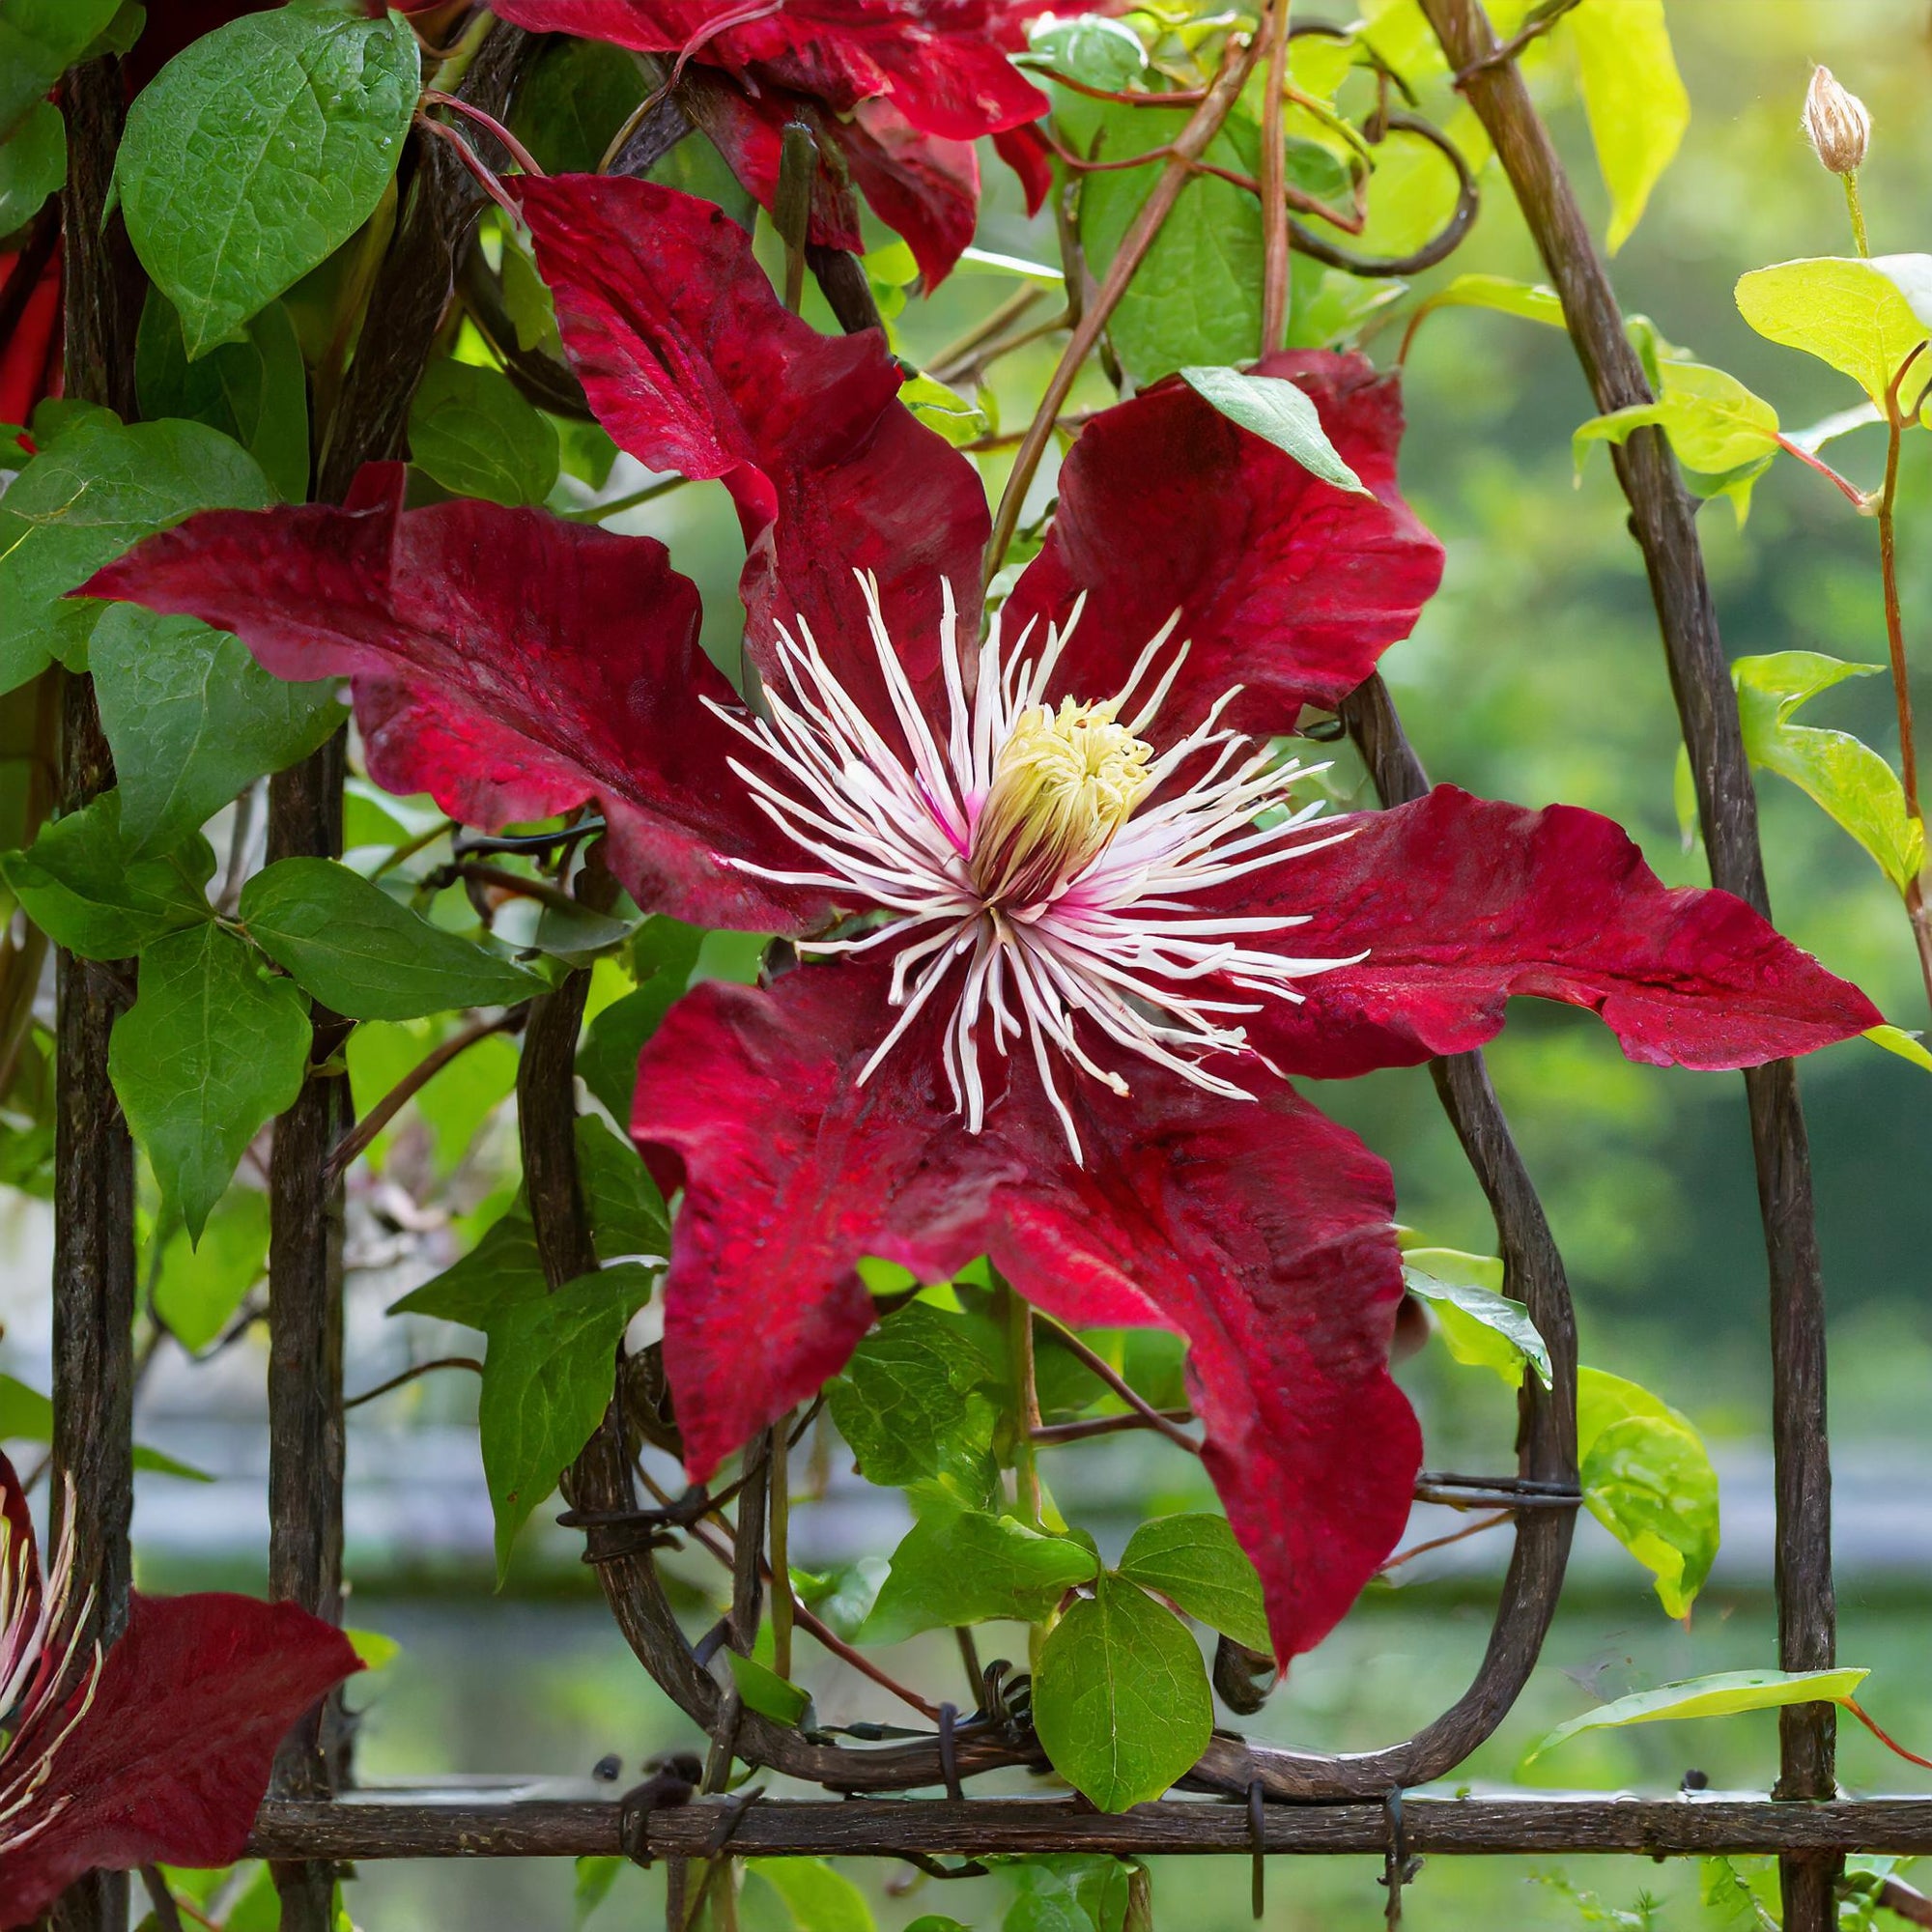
(1835, 123)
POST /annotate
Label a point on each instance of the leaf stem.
(1188, 148)
(1855, 208)
(1891, 1744)
(1055, 1433)
(595, 513)
(779, 1516)
(1025, 1389)
(1475, 1528)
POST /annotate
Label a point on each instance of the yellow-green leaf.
(1716, 1696)
(1714, 422)
(1481, 1327)
(1850, 313)
(1907, 1045)
(1634, 99)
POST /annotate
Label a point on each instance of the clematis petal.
(924, 186)
(1260, 1230)
(509, 663)
(692, 364)
(1460, 902)
(172, 1758)
(1024, 149)
(1285, 585)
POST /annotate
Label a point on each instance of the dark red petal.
(923, 185)
(694, 364)
(1262, 1231)
(30, 355)
(23, 1576)
(1024, 149)
(1285, 585)
(172, 1759)
(507, 663)
(1462, 902)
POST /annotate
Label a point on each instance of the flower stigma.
(1037, 872)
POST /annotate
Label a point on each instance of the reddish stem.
(435, 97)
(1891, 1744)
(485, 179)
(1853, 494)
(1475, 1528)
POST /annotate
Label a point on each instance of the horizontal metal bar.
(375, 1824)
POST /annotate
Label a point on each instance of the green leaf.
(913, 1403)
(194, 718)
(944, 410)
(546, 1380)
(1533, 301)
(575, 97)
(1121, 1700)
(254, 389)
(967, 1567)
(628, 1216)
(1839, 772)
(83, 887)
(258, 151)
(1481, 1327)
(1716, 1696)
(1714, 422)
(501, 1273)
(663, 955)
(350, 943)
(26, 1415)
(209, 1050)
(1066, 1892)
(765, 1692)
(454, 1105)
(472, 431)
(32, 165)
(1101, 52)
(200, 1286)
(1196, 297)
(376, 1651)
(1280, 412)
(1634, 98)
(40, 40)
(1647, 1478)
(594, 1876)
(1907, 1045)
(79, 503)
(820, 1898)
(1195, 1561)
(1847, 312)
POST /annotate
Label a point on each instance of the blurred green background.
(1536, 675)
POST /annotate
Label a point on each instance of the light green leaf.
(1531, 301)
(1481, 1327)
(210, 1049)
(254, 389)
(944, 410)
(200, 1286)
(1716, 1696)
(359, 953)
(595, 1877)
(1066, 1893)
(663, 955)
(820, 1898)
(194, 718)
(26, 1415)
(914, 1403)
(32, 165)
(40, 40)
(1714, 422)
(1194, 1561)
(765, 1692)
(377, 1651)
(79, 503)
(455, 1104)
(966, 1567)
(1907, 1045)
(1646, 1477)
(83, 887)
(1121, 1700)
(546, 1380)
(258, 151)
(472, 431)
(1280, 412)
(1101, 52)
(1839, 772)
(1847, 312)
(1634, 98)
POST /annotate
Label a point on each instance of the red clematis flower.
(899, 88)
(1066, 927)
(159, 1752)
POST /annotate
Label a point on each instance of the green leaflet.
(1716, 1696)
(818, 1898)
(1855, 315)
(1647, 1479)
(91, 495)
(1278, 412)
(258, 151)
(472, 431)
(1719, 430)
(1481, 1327)
(201, 1285)
(1841, 773)
(33, 164)
(40, 40)
(194, 718)
(350, 943)
(456, 1102)
(1907, 1045)
(765, 1692)
(1195, 1562)
(959, 1566)
(1634, 98)
(664, 955)
(211, 1050)
(26, 1415)
(546, 1380)
(1121, 1700)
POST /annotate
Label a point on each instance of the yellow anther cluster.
(1064, 784)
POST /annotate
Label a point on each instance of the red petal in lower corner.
(1460, 902)
(1260, 1230)
(170, 1762)
(694, 364)
(508, 663)
(1285, 585)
